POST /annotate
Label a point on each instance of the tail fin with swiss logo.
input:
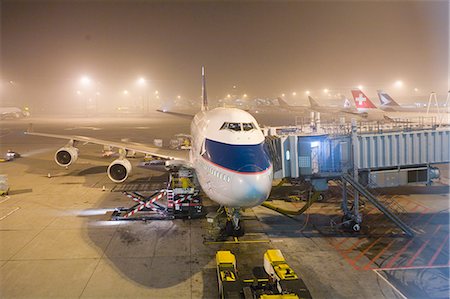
(361, 100)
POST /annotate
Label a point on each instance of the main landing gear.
(234, 226)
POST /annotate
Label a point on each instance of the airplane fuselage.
(229, 157)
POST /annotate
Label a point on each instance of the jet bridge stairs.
(385, 204)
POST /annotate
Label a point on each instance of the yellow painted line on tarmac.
(13, 211)
(5, 199)
(237, 242)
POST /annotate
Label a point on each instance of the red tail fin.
(361, 100)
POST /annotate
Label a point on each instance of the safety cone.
(103, 188)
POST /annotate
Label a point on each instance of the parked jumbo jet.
(389, 104)
(348, 110)
(346, 107)
(228, 156)
(330, 113)
(13, 113)
(363, 103)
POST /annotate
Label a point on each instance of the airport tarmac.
(57, 241)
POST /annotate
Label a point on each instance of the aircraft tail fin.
(385, 99)
(312, 102)
(282, 102)
(204, 96)
(349, 106)
(347, 103)
(361, 100)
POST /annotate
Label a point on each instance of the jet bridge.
(385, 157)
(363, 157)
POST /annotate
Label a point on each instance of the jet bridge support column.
(344, 199)
(355, 155)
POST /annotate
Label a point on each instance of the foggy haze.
(263, 48)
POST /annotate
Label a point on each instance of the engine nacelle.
(119, 170)
(65, 156)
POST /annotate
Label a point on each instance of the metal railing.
(391, 210)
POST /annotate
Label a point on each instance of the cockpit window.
(248, 126)
(234, 126)
(231, 126)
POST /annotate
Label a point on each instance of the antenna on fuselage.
(204, 97)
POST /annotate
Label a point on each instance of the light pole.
(85, 82)
(142, 83)
(97, 95)
(157, 98)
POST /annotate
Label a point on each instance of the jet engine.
(65, 156)
(119, 170)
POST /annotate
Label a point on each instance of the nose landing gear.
(234, 226)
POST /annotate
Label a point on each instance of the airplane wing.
(180, 114)
(136, 147)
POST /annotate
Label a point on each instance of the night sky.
(264, 48)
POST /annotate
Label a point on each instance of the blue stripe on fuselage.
(237, 157)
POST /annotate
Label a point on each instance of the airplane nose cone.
(252, 190)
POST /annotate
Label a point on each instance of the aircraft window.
(248, 126)
(234, 126)
(231, 126)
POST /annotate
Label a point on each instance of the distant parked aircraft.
(13, 113)
(389, 104)
(363, 103)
